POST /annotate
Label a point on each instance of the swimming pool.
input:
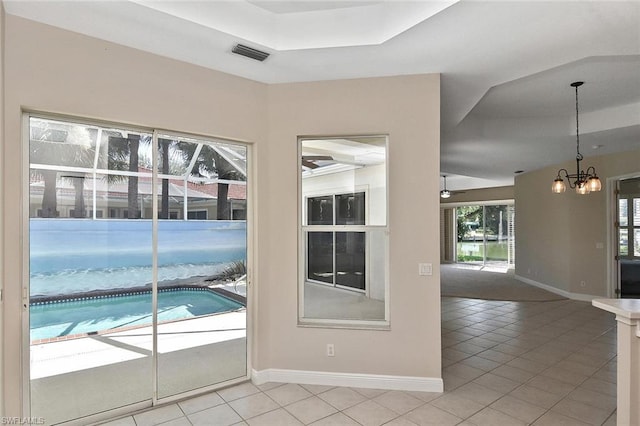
(93, 314)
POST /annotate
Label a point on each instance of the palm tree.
(63, 145)
(165, 144)
(208, 164)
(123, 155)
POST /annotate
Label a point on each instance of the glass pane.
(170, 199)
(629, 282)
(347, 166)
(322, 301)
(89, 313)
(201, 304)
(61, 143)
(636, 212)
(201, 274)
(470, 234)
(175, 155)
(122, 197)
(350, 259)
(320, 210)
(636, 242)
(48, 195)
(235, 156)
(623, 242)
(211, 188)
(125, 151)
(497, 234)
(623, 212)
(350, 209)
(320, 256)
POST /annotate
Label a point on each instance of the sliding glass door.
(485, 235)
(201, 264)
(136, 265)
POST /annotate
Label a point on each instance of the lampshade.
(594, 184)
(582, 188)
(558, 186)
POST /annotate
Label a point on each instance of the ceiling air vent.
(250, 52)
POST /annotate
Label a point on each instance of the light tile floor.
(504, 363)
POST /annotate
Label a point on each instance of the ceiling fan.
(309, 160)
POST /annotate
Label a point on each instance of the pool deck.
(89, 351)
(74, 378)
(85, 375)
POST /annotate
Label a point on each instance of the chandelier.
(583, 182)
(445, 193)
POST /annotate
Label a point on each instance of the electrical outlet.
(330, 350)
(583, 283)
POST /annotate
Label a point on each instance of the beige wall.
(559, 235)
(406, 108)
(2, 341)
(47, 69)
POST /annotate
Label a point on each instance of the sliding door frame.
(483, 204)
(153, 400)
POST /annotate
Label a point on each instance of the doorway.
(485, 235)
(627, 227)
(136, 264)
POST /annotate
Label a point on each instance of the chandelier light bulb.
(582, 188)
(594, 184)
(558, 186)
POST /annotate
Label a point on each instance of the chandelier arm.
(591, 171)
(566, 173)
(572, 179)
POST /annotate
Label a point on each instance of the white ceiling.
(506, 66)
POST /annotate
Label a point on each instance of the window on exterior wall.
(343, 234)
(629, 226)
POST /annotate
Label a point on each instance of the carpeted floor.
(481, 284)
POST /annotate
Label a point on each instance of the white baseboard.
(369, 381)
(573, 296)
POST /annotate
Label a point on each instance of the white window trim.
(383, 324)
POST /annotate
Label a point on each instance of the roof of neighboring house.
(176, 188)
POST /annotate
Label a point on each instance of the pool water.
(56, 319)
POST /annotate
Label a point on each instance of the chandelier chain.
(578, 155)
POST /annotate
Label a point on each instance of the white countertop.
(627, 308)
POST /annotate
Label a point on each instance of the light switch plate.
(425, 269)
